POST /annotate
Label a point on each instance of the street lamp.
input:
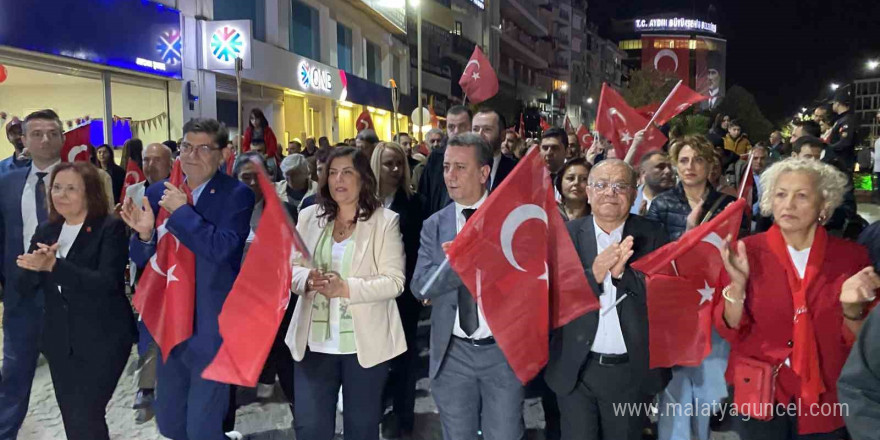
(872, 64)
(835, 86)
(804, 109)
(590, 100)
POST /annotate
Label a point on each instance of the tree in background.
(741, 105)
(684, 125)
(648, 87)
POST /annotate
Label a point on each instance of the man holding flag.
(599, 361)
(213, 227)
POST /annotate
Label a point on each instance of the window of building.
(395, 70)
(304, 30)
(458, 28)
(253, 10)
(374, 63)
(343, 47)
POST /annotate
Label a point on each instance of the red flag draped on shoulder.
(682, 280)
(619, 123)
(517, 259)
(133, 175)
(478, 81)
(680, 99)
(165, 294)
(261, 293)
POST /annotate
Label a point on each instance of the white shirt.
(609, 337)
(483, 331)
(799, 258)
(877, 156)
(255, 221)
(331, 345)
(495, 161)
(29, 217)
(65, 241)
(388, 201)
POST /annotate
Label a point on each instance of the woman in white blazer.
(346, 327)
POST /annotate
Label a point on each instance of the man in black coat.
(431, 184)
(600, 360)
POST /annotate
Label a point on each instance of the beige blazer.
(376, 279)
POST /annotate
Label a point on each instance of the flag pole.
(748, 170)
(632, 151)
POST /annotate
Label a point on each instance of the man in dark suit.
(214, 227)
(490, 124)
(601, 359)
(431, 185)
(473, 385)
(22, 207)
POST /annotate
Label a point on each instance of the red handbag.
(754, 387)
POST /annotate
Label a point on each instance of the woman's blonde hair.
(697, 142)
(376, 165)
(830, 183)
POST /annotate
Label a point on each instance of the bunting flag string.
(136, 125)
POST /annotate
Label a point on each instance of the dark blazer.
(412, 215)
(11, 241)
(505, 166)
(570, 345)
(215, 230)
(431, 184)
(859, 383)
(117, 179)
(91, 313)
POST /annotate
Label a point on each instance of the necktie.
(643, 208)
(467, 307)
(40, 198)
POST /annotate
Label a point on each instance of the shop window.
(343, 48)
(253, 10)
(374, 63)
(75, 94)
(305, 30)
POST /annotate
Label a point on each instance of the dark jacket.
(117, 178)
(570, 345)
(671, 208)
(431, 184)
(841, 150)
(859, 384)
(91, 312)
(411, 213)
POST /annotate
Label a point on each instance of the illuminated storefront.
(84, 71)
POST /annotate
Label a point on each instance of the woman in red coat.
(795, 299)
(258, 128)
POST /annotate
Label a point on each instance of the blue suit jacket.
(438, 229)
(215, 230)
(11, 186)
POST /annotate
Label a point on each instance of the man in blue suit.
(22, 207)
(473, 385)
(214, 227)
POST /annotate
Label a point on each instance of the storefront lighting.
(294, 93)
(371, 109)
(346, 104)
(381, 112)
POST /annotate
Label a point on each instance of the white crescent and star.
(71, 155)
(476, 73)
(663, 54)
(135, 177)
(513, 221)
(161, 230)
(706, 292)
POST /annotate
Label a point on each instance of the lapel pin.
(213, 190)
(88, 229)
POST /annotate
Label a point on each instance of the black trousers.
(401, 386)
(84, 386)
(594, 410)
(318, 378)
(781, 427)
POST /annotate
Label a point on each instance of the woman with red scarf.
(790, 309)
(258, 128)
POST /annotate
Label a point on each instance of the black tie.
(467, 307)
(40, 198)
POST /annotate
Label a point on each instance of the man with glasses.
(22, 207)
(600, 360)
(214, 227)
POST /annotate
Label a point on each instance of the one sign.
(394, 11)
(143, 36)
(315, 78)
(223, 42)
(674, 24)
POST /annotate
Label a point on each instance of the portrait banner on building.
(667, 54)
(711, 74)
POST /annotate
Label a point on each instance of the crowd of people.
(378, 217)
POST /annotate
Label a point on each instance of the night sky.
(786, 52)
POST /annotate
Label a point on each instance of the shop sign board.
(224, 41)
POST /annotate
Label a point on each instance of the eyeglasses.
(59, 189)
(187, 148)
(616, 188)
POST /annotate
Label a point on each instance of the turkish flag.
(567, 125)
(522, 127)
(76, 144)
(746, 189)
(680, 98)
(517, 259)
(682, 280)
(230, 163)
(618, 122)
(255, 306)
(585, 139)
(364, 121)
(478, 81)
(133, 174)
(665, 54)
(544, 124)
(165, 294)
(647, 111)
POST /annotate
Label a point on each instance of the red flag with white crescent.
(133, 175)
(364, 122)
(619, 123)
(585, 138)
(166, 292)
(680, 99)
(478, 81)
(517, 259)
(76, 144)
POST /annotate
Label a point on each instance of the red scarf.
(805, 354)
